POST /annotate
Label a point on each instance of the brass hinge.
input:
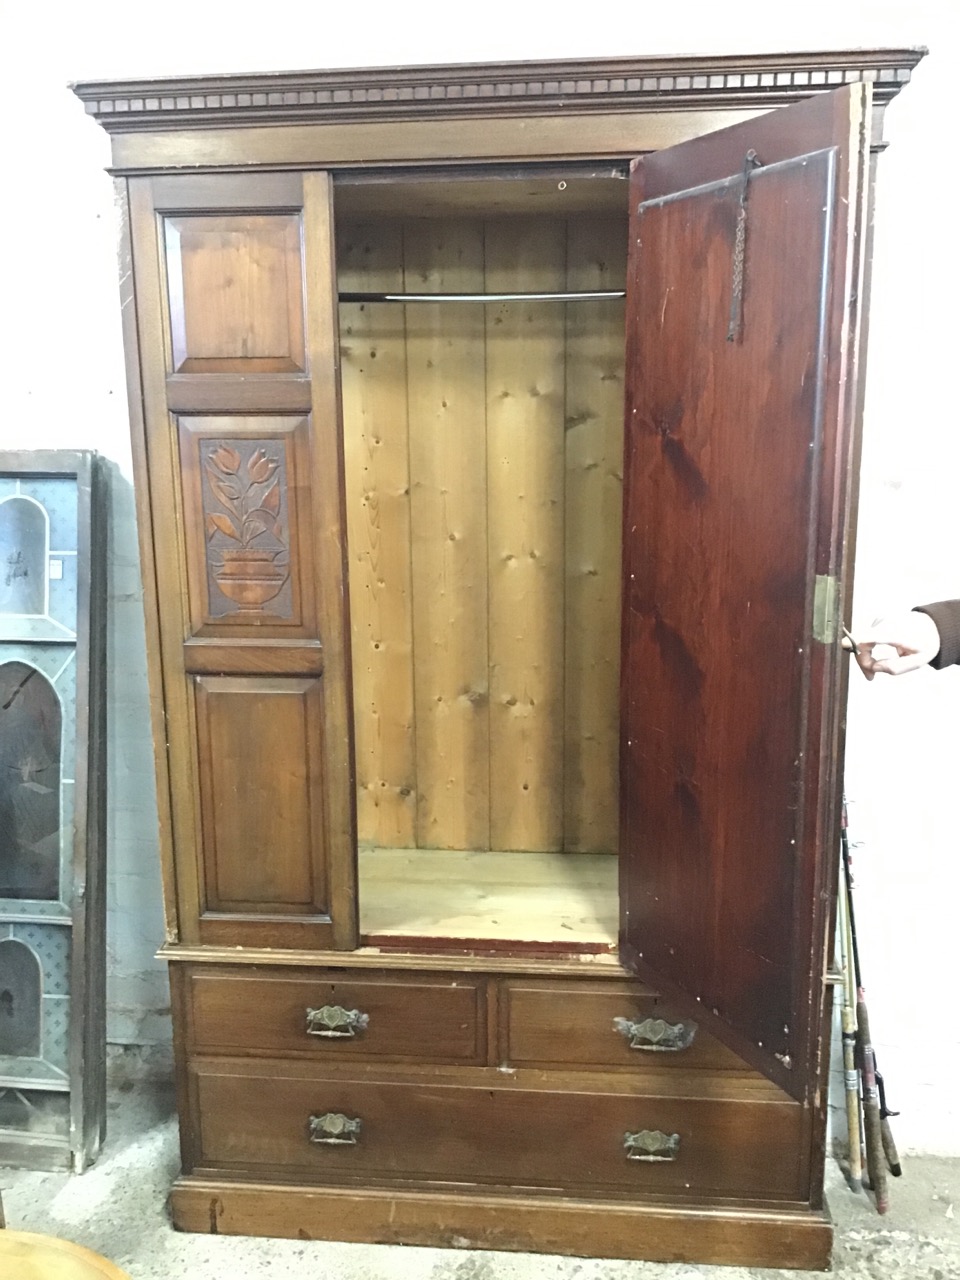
(826, 609)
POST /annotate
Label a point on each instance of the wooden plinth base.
(580, 1228)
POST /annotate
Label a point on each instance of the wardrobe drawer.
(608, 1024)
(278, 1123)
(333, 1017)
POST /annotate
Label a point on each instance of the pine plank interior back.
(445, 398)
(376, 457)
(593, 498)
(483, 447)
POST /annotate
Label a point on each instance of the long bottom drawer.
(346, 1128)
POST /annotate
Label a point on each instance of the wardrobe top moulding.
(529, 111)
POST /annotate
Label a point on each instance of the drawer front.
(609, 1024)
(331, 1017)
(341, 1129)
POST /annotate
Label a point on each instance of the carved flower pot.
(250, 578)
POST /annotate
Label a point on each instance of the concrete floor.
(117, 1209)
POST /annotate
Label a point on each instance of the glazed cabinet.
(494, 434)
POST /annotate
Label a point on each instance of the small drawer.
(281, 1122)
(603, 1025)
(330, 1016)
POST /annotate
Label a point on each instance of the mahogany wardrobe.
(495, 436)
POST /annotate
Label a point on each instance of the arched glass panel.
(23, 569)
(20, 992)
(29, 784)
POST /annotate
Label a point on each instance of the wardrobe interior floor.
(556, 898)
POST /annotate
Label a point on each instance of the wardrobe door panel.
(241, 438)
(743, 287)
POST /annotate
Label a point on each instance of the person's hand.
(904, 642)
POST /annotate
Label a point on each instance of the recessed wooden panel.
(260, 744)
(235, 293)
(247, 532)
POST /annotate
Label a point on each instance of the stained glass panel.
(23, 557)
(30, 725)
(20, 989)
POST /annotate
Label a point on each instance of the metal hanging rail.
(482, 297)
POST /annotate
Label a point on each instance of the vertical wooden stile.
(159, 497)
(148, 557)
(525, 415)
(446, 410)
(326, 485)
(596, 259)
(373, 382)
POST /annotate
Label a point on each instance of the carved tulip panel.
(248, 562)
(245, 544)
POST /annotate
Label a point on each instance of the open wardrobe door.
(746, 265)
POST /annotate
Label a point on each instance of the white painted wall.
(63, 387)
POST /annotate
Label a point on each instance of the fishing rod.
(886, 1133)
(848, 1029)
(880, 1148)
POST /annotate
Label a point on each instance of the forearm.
(946, 616)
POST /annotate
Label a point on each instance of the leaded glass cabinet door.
(52, 751)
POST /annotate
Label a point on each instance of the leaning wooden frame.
(53, 795)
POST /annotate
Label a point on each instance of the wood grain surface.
(497, 894)
(474, 595)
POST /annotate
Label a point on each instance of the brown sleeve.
(946, 615)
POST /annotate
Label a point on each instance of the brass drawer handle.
(655, 1035)
(651, 1145)
(334, 1023)
(334, 1129)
